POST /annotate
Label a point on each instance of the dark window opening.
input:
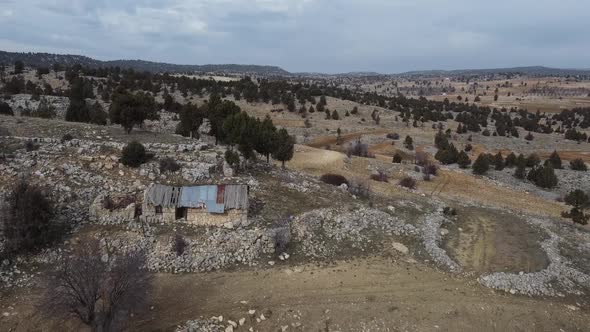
(181, 213)
(158, 209)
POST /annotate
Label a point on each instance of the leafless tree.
(96, 288)
(282, 235)
(179, 244)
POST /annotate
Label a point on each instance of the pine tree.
(463, 160)
(499, 162)
(555, 160)
(447, 156)
(578, 165)
(510, 160)
(409, 143)
(481, 164)
(520, 172)
(579, 201)
(543, 176)
(266, 140)
(284, 147)
(335, 115)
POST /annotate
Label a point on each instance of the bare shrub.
(449, 211)
(334, 179)
(360, 189)
(179, 244)
(430, 169)
(281, 235)
(99, 292)
(67, 137)
(359, 149)
(421, 158)
(168, 164)
(31, 146)
(27, 220)
(380, 176)
(408, 182)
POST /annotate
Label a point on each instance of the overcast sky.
(308, 35)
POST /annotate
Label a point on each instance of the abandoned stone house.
(206, 205)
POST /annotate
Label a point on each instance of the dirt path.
(374, 294)
(322, 141)
(363, 295)
(466, 187)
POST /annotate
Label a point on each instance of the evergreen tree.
(440, 140)
(217, 112)
(97, 114)
(555, 160)
(447, 156)
(19, 67)
(510, 160)
(267, 138)
(543, 176)
(463, 160)
(409, 143)
(77, 111)
(499, 162)
(134, 154)
(579, 201)
(130, 110)
(191, 118)
(285, 147)
(335, 115)
(520, 172)
(481, 164)
(520, 163)
(578, 165)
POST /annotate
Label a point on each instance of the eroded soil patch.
(491, 241)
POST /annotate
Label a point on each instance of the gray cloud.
(307, 35)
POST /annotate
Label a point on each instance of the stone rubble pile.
(23, 102)
(12, 276)
(320, 232)
(430, 233)
(219, 248)
(202, 325)
(215, 249)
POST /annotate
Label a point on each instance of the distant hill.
(46, 60)
(532, 71)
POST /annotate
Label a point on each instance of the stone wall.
(198, 217)
(98, 213)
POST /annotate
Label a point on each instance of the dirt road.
(364, 295)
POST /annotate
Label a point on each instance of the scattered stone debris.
(430, 233)
(321, 231)
(202, 325)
